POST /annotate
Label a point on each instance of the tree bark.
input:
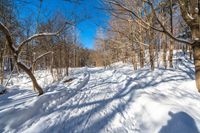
(196, 55)
(1, 67)
(164, 42)
(30, 74)
(190, 52)
(134, 61)
(141, 56)
(171, 49)
(151, 58)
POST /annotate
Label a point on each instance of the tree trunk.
(196, 55)
(164, 51)
(171, 53)
(30, 74)
(134, 61)
(171, 49)
(141, 56)
(67, 61)
(151, 58)
(52, 65)
(1, 67)
(190, 52)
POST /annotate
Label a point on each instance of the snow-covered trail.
(107, 100)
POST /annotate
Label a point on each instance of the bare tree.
(17, 50)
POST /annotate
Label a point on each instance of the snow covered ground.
(116, 99)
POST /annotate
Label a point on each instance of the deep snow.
(116, 99)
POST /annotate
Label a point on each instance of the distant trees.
(101, 55)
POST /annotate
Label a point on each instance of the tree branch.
(163, 27)
(38, 58)
(42, 35)
(5, 30)
(185, 14)
(163, 30)
(134, 14)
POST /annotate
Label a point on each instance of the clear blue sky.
(87, 28)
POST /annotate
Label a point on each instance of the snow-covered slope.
(116, 99)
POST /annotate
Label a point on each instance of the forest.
(100, 66)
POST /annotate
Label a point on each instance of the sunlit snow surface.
(116, 99)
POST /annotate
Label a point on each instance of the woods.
(153, 29)
(140, 32)
(99, 66)
(54, 47)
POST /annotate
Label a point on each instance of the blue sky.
(86, 28)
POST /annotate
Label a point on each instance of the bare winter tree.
(16, 49)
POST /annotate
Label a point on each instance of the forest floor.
(117, 99)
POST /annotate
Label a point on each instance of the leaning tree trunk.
(30, 74)
(196, 55)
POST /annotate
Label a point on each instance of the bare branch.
(38, 58)
(134, 14)
(136, 41)
(163, 27)
(42, 35)
(163, 30)
(5, 30)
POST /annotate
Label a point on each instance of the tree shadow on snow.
(180, 122)
(86, 122)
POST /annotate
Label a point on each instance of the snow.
(116, 99)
